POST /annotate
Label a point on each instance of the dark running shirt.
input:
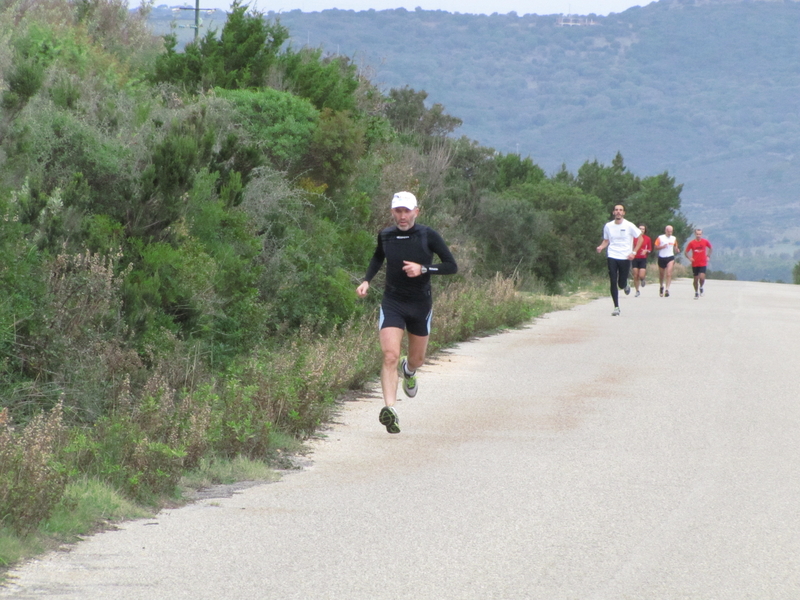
(418, 245)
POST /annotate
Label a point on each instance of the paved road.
(651, 456)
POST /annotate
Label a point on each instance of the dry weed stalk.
(32, 481)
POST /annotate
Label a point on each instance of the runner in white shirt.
(618, 236)
(667, 246)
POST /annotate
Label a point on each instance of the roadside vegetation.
(181, 235)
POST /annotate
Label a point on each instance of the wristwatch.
(423, 269)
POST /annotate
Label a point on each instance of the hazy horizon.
(521, 7)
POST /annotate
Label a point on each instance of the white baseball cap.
(404, 200)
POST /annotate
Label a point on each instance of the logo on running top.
(403, 237)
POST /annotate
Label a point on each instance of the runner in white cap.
(408, 249)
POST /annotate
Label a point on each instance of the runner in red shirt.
(700, 250)
(640, 260)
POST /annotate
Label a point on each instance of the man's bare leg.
(417, 346)
(669, 274)
(391, 340)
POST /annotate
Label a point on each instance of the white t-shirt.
(620, 238)
(669, 249)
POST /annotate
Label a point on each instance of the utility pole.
(196, 10)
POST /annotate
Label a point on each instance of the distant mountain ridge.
(708, 90)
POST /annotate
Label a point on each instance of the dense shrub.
(328, 83)
(338, 143)
(281, 123)
(22, 282)
(533, 228)
(240, 57)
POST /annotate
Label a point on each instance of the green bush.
(240, 57)
(62, 156)
(305, 282)
(23, 285)
(532, 228)
(510, 227)
(339, 142)
(328, 83)
(282, 124)
(24, 81)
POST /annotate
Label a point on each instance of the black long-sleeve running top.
(418, 245)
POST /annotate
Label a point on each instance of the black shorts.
(663, 261)
(698, 270)
(415, 316)
(639, 263)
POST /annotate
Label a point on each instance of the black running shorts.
(403, 314)
(663, 261)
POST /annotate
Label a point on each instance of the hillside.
(708, 91)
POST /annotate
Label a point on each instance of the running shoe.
(701, 291)
(666, 293)
(616, 312)
(627, 290)
(637, 294)
(409, 381)
(661, 291)
(389, 419)
(643, 282)
(696, 296)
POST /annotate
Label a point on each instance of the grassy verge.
(238, 426)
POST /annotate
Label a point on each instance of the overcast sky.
(521, 7)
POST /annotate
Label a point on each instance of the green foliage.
(514, 170)
(796, 274)
(34, 52)
(654, 201)
(536, 228)
(306, 283)
(282, 123)
(22, 282)
(472, 171)
(337, 145)
(70, 168)
(240, 58)
(657, 203)
(23, 82)
(86, 503)
(72, 347)
(120, 453)
(328, 83)
(509, 228)
(407, 113)
(613, 185)
(144, 445)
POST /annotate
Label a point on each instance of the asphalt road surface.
(655, 455)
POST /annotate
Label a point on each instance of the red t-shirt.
(699, 253)
(645, 248)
